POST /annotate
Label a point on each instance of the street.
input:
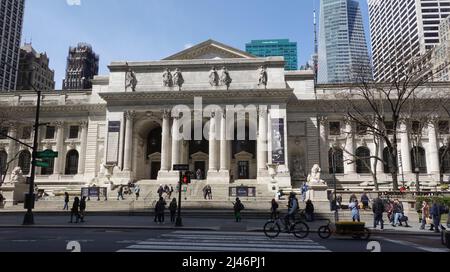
(141, 234)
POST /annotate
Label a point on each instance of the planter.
(349, 227)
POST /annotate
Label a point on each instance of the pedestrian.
(173, 209)
(339, 201)
(309, 211)
(365, 201)
(137, 191)
(274, 210)
(170, 191)
(425, 215)
(120, 193)
(205, 192)
(159, 209)
(160, 190)
(75, 210)
(82, 208)
(166, 189)
(209, 192)
(378, 209)
(435, 213)
(397, 212)
(293, 208)
(353, 198)
(354, 207)
(66, 201)
(238, 207)
(304, 191)
(199, 174)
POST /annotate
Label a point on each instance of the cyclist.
(292, 209)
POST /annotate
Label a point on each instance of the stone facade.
(112, 135)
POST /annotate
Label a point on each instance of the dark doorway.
(202, 166)
(243, 170)
(155, 167)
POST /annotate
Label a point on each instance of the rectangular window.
(444, 127)
(361, 129)
(50, 133)
(416, 127)
(389, 125)
(3, 133)
(335, 128)
(26, 133)
(73, 133)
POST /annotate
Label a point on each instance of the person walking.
(425, 215)
(339, 201)
(120, 193)
(365, 201)
(160, 190)
(378, 210)
(205, 192)
(66, 201)
(292, 209)
(274, 210)
(304, 191)
(309, 211)
(209, 192)
(353, 198)
(170, 191)
(238, 207)
(173, 209)
(137, 191)
(82, 209)
(398, 213)
(435, 213)
(159, 209)
(354, 207)
(75, 210)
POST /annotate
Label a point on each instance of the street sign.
(42, 164)
(47, 154)
(181, 167)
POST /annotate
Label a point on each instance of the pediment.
(210, 50)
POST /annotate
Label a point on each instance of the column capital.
(213, 114)
(58, 124)
(83, 124)
(263, 110)
(433, 120)
(166, 113)
(130, 115)
(323, 120)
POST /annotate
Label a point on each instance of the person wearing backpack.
(238, 207)
(378, 209)
(173, 209)
(82, 208)
(293, 207)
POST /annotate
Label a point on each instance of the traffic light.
(187, 178)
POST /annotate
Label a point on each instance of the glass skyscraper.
(273, 48)
(343, 54)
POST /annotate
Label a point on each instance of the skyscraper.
(343, 54)
(11, 20)
(271, 48)
(402, 30)
(82, 66)
(34, 70)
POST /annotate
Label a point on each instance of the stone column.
(405, 148)
(129, 117)
(12, 150)
(324, 146)
(262, 140)
(82, 158)
(165, 148)
(175, 142)
(433, 151)
(349, 169)
(223, 144)
(380, 167)
(212, 144)
(60, 161)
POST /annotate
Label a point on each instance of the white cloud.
(73, 2)
(188, 45)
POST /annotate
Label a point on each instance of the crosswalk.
(215, 241)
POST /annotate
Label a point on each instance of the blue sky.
(153, 29)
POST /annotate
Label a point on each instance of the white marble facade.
(125, 135)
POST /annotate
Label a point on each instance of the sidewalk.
(190, 223)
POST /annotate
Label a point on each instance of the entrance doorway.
(202, 166)
(243, 170)
(155, 167)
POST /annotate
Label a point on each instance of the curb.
(109, 227)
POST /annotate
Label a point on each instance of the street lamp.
(336, 212)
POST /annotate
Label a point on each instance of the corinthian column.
(223, 143)
(349, 148)
(129, 116)
(165, 145)
(404, 148)
(59, 162)
(12, 150)
(212, 144)
(323, 122)
(82, 159)
(175, 142)
(262, 140)
(433, 148)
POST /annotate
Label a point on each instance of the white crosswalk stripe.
(214, 241)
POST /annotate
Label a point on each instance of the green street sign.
(47, 154)
(42, 164)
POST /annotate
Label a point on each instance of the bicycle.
(273, 228)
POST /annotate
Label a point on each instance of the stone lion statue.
(314, 177)
(17, 176)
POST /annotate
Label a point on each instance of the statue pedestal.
(20, 189)
(318, 192)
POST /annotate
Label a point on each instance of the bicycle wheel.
(272, 229)
(324, 232)
(301, 230)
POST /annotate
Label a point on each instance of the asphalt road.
(135, 240)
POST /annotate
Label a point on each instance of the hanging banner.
(278, 153)
(112, 154)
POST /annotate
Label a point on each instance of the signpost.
(47, 154)
(42, 164)
(181, 168)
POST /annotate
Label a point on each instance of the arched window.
(418, 160)
(3, 162)
(25, 161)
(363, 160)
(72, 162)
(444, 159)
(50, 169)
(389, 163)
(338, 160)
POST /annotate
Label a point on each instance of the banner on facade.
(112, 153)
(278, 153)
